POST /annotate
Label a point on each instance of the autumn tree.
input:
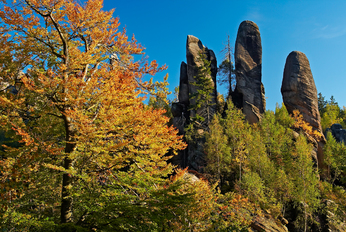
(228, 161)
(218, 153)
(91, 153)
(334, 158)
(305, 179)
(237, 132)
(330, 116)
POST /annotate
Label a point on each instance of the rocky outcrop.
(267, 224)
(194, 48)
(249, 90)
(299, 93)
(193, 156)
(338, 133)
(298, 89)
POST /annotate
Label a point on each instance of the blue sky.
(316, 28)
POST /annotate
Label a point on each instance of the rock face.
(267, 224)
(299, 93)
(338, 133)
(193, 156)
(298, 89)
(249, 91)
(194, 48)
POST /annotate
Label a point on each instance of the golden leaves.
(74, 105)
(305, 126)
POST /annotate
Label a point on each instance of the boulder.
(338, 133)
(249, 90)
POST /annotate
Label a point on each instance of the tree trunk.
(66, 201)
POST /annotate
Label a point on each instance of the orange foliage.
(79, 108)
(300, 123)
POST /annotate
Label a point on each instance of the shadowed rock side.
(249, 91)
(338, 133)
(299, 93)
(181, 114)
(193, 156)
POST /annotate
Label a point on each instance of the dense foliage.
(82, 152)
(88, 152)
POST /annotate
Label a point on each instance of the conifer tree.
(203, 98)
(204, 107)
(226, 68)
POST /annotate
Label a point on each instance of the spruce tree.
(204, 108)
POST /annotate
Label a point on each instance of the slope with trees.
(92, 155)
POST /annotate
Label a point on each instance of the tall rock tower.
(299, 93)
(194, 48)
(249, 90)
(193, 156)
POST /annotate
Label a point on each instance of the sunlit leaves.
(80, 115)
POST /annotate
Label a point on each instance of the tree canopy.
(91, 153)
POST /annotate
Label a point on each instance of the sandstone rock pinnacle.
(299, 93)
(249, 91)
(298, 89)
(193, 156)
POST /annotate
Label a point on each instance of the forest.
(87, 138)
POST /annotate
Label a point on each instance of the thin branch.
(57, 27)
(58, 116)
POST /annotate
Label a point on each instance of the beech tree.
(91, 153)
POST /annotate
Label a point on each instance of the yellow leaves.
(55, 167)
(306, 127)
(72, 97)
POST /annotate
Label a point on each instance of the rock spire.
(249, 90)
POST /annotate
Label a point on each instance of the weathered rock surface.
(194, 48)
(338, 133)
(298, 89)
(299, 93)
(183, 96)
(249, 91)
(267, 224)
(193, 156)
